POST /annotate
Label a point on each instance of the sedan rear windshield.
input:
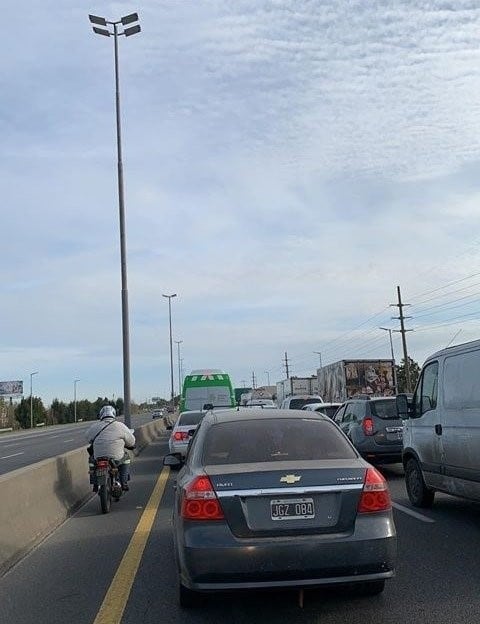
(299, 403)
(328, 411)
(267, 440)
(190, 419)
(384, 409)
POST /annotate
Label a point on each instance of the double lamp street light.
(101, 28)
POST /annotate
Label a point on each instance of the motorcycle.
(109, 486)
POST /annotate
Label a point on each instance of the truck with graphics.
(207, 386)
(347, 379)
(296, 386)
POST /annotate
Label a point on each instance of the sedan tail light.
(375, 495)
(180, 436)
(200, 501)
(367, 426)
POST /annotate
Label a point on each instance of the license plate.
(292, 509)
(101, 472)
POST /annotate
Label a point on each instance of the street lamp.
(75, 381)
(172, 391)
(267, 373)
(319, 353)
(393, 356)
(31, 398)
(132, 30)
(179, 342)
(391, 341)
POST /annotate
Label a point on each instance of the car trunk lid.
(284, 498)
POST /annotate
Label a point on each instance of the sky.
(287, 164)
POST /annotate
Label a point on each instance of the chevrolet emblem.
(290, 478)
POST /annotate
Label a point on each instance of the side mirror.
(172, 460)
(402, 406)
(191, 433)
(169, 427)
(208, 407)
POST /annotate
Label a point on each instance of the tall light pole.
(267, 373)
(132, 30)
(393, 356)
(75, 381)
(172, 391)
(31, 398)
(391, 341)
(178, 343)
(319, 353)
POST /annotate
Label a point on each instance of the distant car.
(157, 413)
(182, 432)
(299, 401)
(265, 403)
(278, 500)
(329, 409)
(374, 428)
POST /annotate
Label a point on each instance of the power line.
(428, 292)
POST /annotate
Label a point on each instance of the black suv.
(374, 428)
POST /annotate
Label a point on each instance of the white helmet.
(107, 411)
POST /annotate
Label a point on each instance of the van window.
(461, 381)
(426, 399)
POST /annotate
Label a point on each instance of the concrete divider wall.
(36, 499)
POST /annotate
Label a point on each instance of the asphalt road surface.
(22, 448)
(67, 578)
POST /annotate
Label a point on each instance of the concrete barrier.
(36, 499)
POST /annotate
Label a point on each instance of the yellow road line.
(116, 598)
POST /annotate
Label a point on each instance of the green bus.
(207, 386)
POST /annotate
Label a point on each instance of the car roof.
(251, 413)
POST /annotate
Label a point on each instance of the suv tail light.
(200, 501)
(375, 495)
(367, 426)
(180, 436)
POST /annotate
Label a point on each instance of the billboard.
(11, 388)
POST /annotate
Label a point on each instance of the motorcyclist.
(110, 438)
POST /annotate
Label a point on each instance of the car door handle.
(438, 429)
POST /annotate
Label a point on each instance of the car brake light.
(375, 495)
(367, 426)
(200, 501)
(180, 436)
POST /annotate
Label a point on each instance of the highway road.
(22, 448)
(67, 578)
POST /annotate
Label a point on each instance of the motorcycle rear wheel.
(105, 497)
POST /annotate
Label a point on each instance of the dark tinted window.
(299, 403)
(190, 419)
(328, 411)
(256, 441)
(384, 409)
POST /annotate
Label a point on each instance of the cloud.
(287, 164)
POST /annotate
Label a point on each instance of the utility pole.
(319, 353)
(254, 381)
(244, 382)
(402, 318)
(286, 366)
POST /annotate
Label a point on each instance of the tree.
(58, 412)
(22, 412)
(414, 370)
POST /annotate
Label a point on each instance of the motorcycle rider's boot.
(125, 487)
(95, 488)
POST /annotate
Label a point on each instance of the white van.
(441, 435)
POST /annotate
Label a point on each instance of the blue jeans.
(122, 465)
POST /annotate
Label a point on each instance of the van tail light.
(375, 495)
(367, 426)
(180, 436)
(200, 501)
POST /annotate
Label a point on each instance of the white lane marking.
(71, 440)
(412, 513)
(9, 445)
(14, 455)
(55, 436)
